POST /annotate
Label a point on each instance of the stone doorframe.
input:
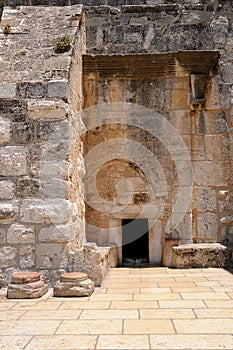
(154, 231)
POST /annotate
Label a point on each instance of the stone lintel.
(149, 66)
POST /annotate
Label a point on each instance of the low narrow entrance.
(135, 242)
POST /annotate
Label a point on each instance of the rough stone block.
(27, 256)
(56, 233)
(27, 291)
(5, 130)
(27, 187)
(8, 213)
(7, 90)
(207, 226)
(201, 255)
(213, 144)
(47, 110)
(55, 188)
(51, 256)
(20, 234)
(13, 161)
(57, 88)
(31, 90)
(94, 261)
(8, 257)
(75, 284)
(208, 173)
(55, 169)
(6, 189)
(167, 251)
(205, 199)
(3, 231)
(57, 211)
(14, 108)
(22, 132)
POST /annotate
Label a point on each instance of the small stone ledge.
(201, 255)
(95, 261)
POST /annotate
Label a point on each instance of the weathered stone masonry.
(42, 94)
(40, 157)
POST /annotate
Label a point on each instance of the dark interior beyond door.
(135, 242)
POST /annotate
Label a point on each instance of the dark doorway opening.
(135, 242)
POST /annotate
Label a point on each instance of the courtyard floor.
(154, 308)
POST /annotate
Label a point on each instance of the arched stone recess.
(137, 166)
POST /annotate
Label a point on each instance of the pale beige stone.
(79, 305)
(14, 343)
(190, 341)
(90, 327)
(74, 288)
(20, 234)
(27, 290)
(13, 161)
(208, 326)
(147, 327)
(187, 304)
(51, 315)
(31, 327)
(133, 304)
(109, 314)
(5, 130)
(123, 342)
(6, 189)
(8, 256)
(8, 212)
(166, 313)
(47, 110)
(45, 211)
(7, 90)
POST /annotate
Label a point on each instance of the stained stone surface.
(26, 285)
(134, 53)
(201, 255)
(27, 290)
(73, 276)
(74, 284)
(25, 277)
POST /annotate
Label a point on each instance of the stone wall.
(159, 27)
(142, 64)
(41, 166)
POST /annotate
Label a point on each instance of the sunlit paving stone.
(15, 342)
(90, 327)
(194, 342)
(63, 342)
(125, 316)
(215, 326)
(166, 313)
(147, 326)
(123, 342)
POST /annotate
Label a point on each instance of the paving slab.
(148, 308)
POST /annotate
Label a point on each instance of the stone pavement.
(154, 308)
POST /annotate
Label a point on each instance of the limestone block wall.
(159, 27)
(205, 123)
(41, 166)
(138, 113)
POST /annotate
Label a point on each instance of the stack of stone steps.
(26, 285)
(74, 284)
